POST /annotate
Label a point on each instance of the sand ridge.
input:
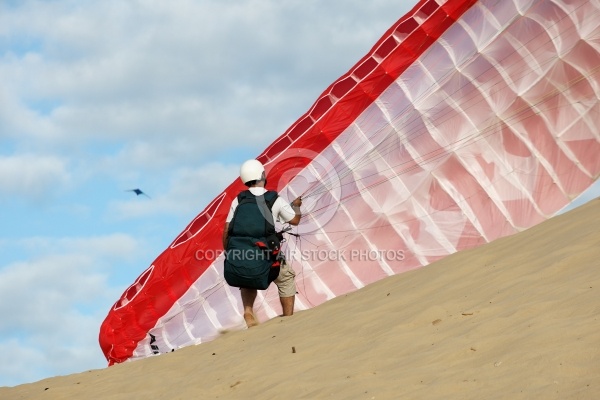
(518, 318)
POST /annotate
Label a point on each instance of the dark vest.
(252, 243)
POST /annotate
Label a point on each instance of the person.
(252, 173)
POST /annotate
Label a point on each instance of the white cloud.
(175, 74)
(33, 176)
(67, 347)
(45, 309)
(36, 293)
(22, 356)
(61, 274)
(110, 247)
(52, 304)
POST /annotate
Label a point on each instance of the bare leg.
(248, 297)
(287, 304)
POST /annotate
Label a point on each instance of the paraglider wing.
(467, 121)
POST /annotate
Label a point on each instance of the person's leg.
(248, 297)
(286, 286)
(287, 304)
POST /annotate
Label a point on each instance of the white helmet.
(252, 170)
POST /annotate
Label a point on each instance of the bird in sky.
(138, 192)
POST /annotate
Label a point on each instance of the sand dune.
(515, 319)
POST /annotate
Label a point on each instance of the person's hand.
(296, 207)
(297, 202)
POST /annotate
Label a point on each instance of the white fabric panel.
(491, 131)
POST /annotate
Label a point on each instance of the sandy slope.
(516, 319)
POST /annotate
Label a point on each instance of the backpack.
(252, 243)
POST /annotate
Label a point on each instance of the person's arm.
(232, 208)
(225, 235)
(296, 207)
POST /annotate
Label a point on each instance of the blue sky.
(99, 97)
